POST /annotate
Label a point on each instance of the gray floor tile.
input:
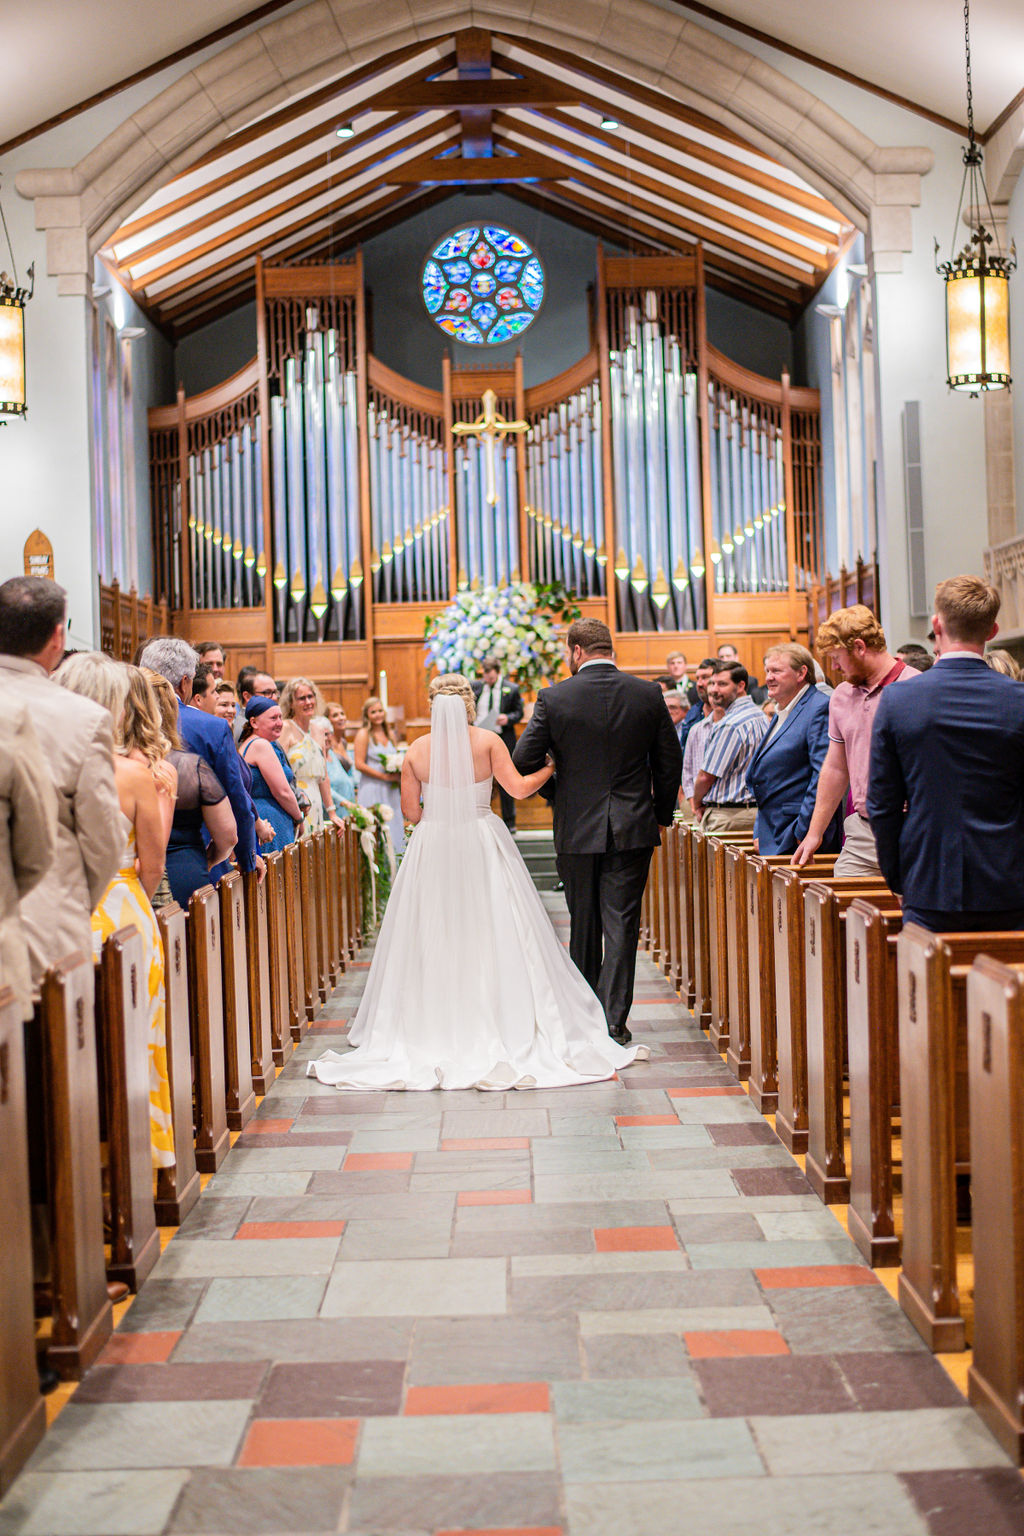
(282, 1256)
(773, 1255)
(417, 1287)
(448, 1443)
(256, 1500)
(114, 1503)
(396, 1240)
(864, 1318)
(315, 1339)
(451, 1350)
(697, 1448)
(582, 1402)
(256, 1299)
(921, 1440)
(812, 1505)
(458, 1502)
(120, 1435)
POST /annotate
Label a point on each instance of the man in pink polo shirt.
(852, 639)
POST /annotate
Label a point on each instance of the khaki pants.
(859, 857)
(728, 818)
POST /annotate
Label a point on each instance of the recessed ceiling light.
(345, 130)
(609, 123)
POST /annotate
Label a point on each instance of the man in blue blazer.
(783, 773)
(209, 737)
(946, 788)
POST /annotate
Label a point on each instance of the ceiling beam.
(325, 96)
(578, 64)
(366, 225)
(330, 169)
(260, 221)
(458, 171)
(794, 289)
(695, 150)
(678, 197)
(671, 215)
(466, 92)
(546, 201)
(473, 52)
(694, 178)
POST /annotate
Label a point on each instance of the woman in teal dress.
(340, 767)
(273, 781)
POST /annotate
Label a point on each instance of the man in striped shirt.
(721, 800)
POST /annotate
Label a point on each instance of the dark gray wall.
(748, 337)
(213, 354)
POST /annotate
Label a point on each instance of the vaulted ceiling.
(555, 131)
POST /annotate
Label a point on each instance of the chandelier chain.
(970, 92)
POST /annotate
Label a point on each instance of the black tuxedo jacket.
(946, 791)
(618, 762)
(511, 705)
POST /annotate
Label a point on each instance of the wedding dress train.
(469, 986)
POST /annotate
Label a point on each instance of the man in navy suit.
(209, 737)
(783, 773)
(946, 785)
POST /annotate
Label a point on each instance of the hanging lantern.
(13, 298)
(977, 278)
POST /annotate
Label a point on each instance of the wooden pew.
(763, 1081)
(82, 1314)
(177, 1188)
(687, 978)
(701, 954)
(355, 891)
(307, 927)
(718, 938)
(122, 1004)
(825, 914)
(239, 1097)
(281, 1042)
(674, 889)
(787, 886)
(736, 960)
(335, 926)
(296, 943)
(932, 972)
(22, 1411)
(206, 1016)
(319, 880)
(995, 1057)
(873, 1052)
(257, 955)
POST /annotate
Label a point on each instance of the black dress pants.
(604, 892)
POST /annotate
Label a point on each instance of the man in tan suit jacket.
(77, 743)
(28, 840)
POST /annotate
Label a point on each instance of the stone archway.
(79, 207)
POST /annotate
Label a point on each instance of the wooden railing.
(126, 619)
(857, 586)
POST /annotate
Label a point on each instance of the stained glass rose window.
(483, 284)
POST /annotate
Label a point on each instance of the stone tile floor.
(600, 1310)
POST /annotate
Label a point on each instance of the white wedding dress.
(469, 986)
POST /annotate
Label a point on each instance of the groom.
(618, 766)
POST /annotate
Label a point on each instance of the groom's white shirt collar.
(598, 661)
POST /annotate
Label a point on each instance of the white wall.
(1015, 231)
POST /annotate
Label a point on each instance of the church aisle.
(586, 1311)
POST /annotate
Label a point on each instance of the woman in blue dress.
(273, 781)
(340, 767)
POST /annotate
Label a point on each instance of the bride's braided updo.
(454, 682)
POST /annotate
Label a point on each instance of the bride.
(469, 986)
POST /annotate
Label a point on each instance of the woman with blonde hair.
(378, 785)
(1002, 661)
(469, 986)
(304, 745)
(126, 901)
(203, 831)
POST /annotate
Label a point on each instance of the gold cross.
(489, 429)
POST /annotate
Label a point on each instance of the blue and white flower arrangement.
(521, 625)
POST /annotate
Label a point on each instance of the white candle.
(382, 689)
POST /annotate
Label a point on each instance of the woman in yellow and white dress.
(146, 787)
(304, 744)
